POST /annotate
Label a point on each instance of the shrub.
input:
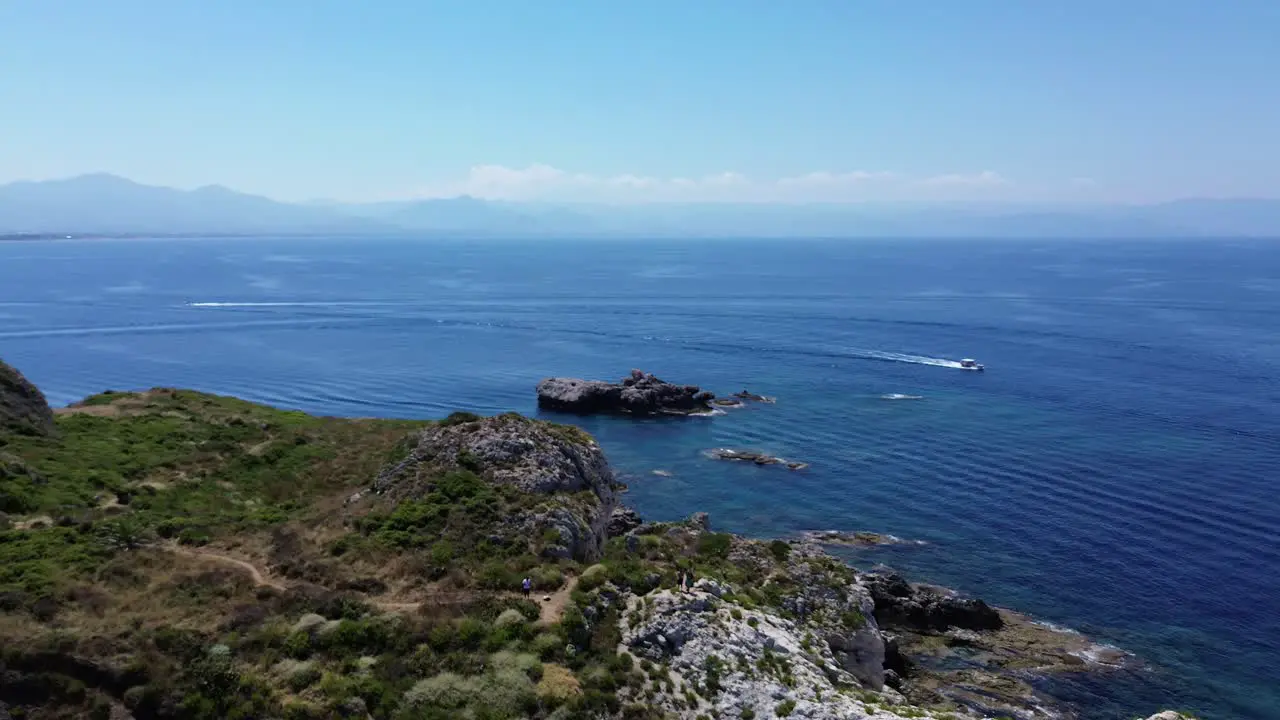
(298, 645)
(510, 616)
(747, 714)
(357, 637)
(519, 662)
(593, 577)
(547, 645)
(547, 578)
(303, 678)
(714, 544)
(781, 550)
(557, 686)
(460, 418)
(575, 626)
(470, 633)
(445, 690)
(784, 708)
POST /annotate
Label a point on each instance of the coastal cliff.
(22, 406)
(173, 554)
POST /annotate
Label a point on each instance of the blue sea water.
(1113, 471)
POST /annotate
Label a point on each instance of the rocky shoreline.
(637, 620)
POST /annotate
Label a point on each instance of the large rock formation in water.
(925, 607)
(23, 408)
(640, 393)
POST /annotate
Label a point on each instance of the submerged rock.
(859, 538)
(640, 393)
(751, 456)
(23, 408)
(748, 395)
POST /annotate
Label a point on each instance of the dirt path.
(259, 578)
(550, 610)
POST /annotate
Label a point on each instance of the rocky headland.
(22, 406)
(210, 558)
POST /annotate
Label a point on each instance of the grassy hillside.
(178, 554)
(173, 554)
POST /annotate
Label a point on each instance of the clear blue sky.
(603, 99)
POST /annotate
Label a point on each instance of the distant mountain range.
(108, 205)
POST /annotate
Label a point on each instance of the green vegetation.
(118, 539)
(785, 708)
(184, 555)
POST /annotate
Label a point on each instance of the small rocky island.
(753, 457)
(640, 393)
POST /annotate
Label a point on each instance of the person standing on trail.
(525, 586)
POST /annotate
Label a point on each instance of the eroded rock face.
(638, 394)
(534, 456)
(511, 449)
(756, 660)
(842, 612)
(23, 408)
(624, 520)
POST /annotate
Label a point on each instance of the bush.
(470, 633)
(853, 620)
(747, 714)
(445, 690)
(714, 544)
(298, 645)
(520, 662)
(460, 418)
(781, 550)
(547, 645)
(547, 578)
(593, 577)
(784, 708)
(510, 616)
(303, 678)
(357, 637)
(557, 686)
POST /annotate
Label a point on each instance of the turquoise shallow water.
(1114, 471)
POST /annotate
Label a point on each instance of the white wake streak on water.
(317, 303)
(902, 358)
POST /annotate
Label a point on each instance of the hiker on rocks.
(525, 586)
(680, 582)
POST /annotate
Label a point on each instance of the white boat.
(971, 364)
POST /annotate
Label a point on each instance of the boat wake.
(900, 396)
(901, 358)
(318, 303)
